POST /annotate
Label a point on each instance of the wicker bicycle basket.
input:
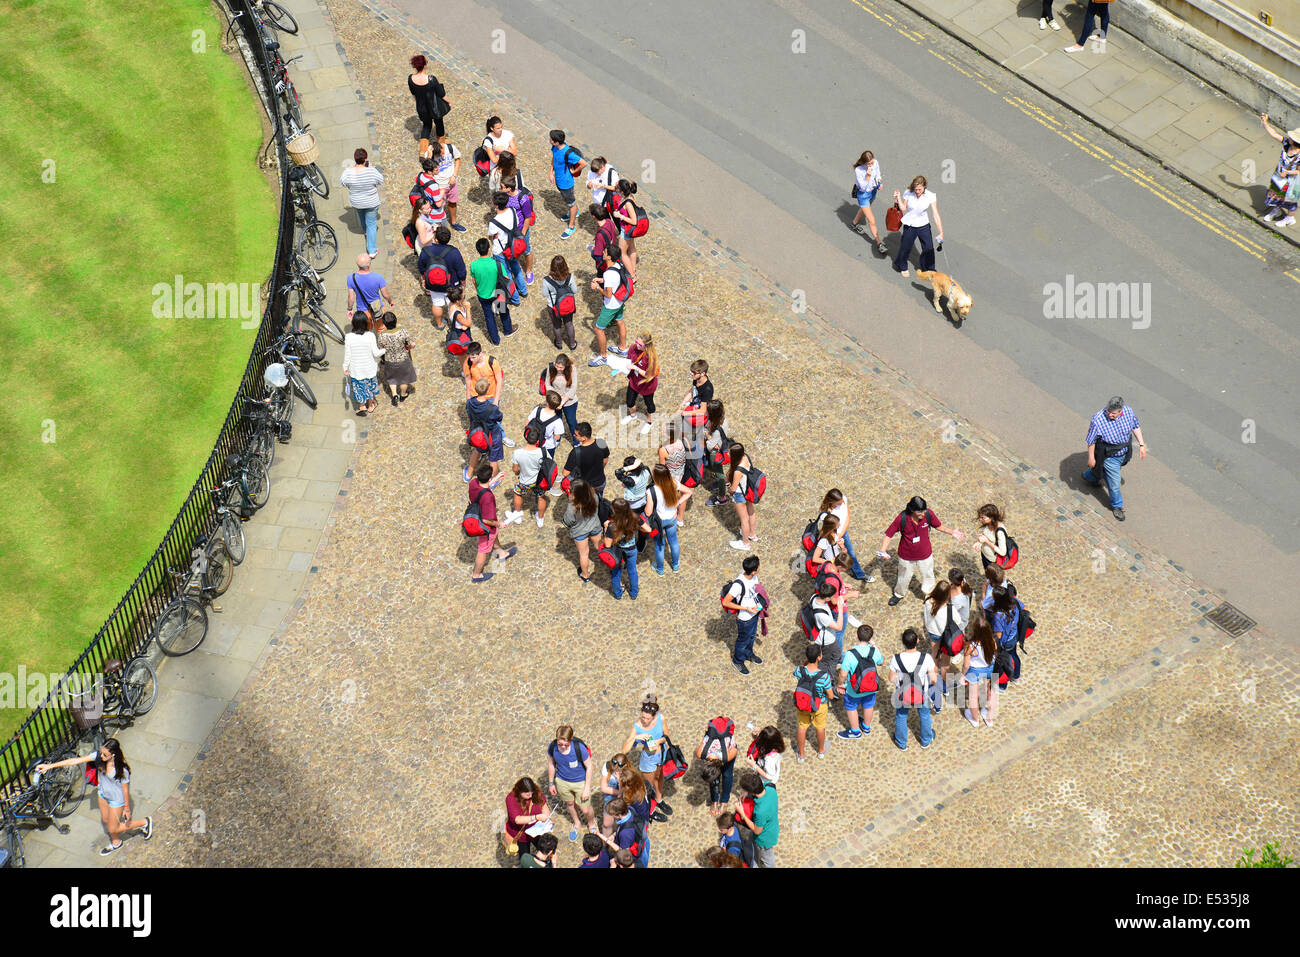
(302, 149)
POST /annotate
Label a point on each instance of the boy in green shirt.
(486, 273)
(764, 823)
(543, 852)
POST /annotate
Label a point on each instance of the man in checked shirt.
(1109, 436)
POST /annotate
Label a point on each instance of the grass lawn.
(132, 159)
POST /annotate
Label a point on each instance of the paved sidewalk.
(1149, 102)
(165, 747)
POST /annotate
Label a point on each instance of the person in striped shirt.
(1113, 427)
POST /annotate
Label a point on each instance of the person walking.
(661, 505)
(607, 282)
(582, 519)
(505, 223)
(916, 206)
(113, 786)
(857, 682)
(737, 484)
(368, 292)
(1096, 9)
(481, 493)
(816, 685)
(587, 459)
(362, 182)
(913, 672)
(765, 820)
(977, 670)
(835, 503)
(993, 545)
(650, 733)
(498, 140)
(1284, 188)
(915, 553)
(569, 767)
(442, 268)
(743, 600)
(430, 102)
(526, 463)
(866, 183)
(719, 752)
(624, 213)
(399, 368)
(562, 377)
(1046, 19)
(525, 806)
(1110, 443)
(642, 380)
(566, 163)
(361, 355)
(672, 456)
(621, 535)
(482, 412)
(487, 275)
(561, 302)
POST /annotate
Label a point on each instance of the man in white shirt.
(913, 673)
(503, 218)
(611, 274)
(743, 599)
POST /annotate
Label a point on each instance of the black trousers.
(910, 235)
(430, 125)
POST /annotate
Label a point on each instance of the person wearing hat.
(1281, 200)
(1110, 437)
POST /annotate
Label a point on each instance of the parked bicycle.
(183, 624)
(119, 696)
(317, 242)
(304, 281)
(283, 378)
(50, 796)
(315, 179)
(274, 15)
(267, 433)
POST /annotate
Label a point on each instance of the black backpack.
(437, 261)
(577, 744)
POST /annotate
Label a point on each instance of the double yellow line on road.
(1074, 137)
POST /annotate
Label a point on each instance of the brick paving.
(400, 702)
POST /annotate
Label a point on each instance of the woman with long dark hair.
(992, 541)
(625, 216)
(620, 535)
(113, 783)
(764, 754)
(525, 806)
(661, 501)
(583, 522)
(737, 484)
(560, 286)
(672, 456)
(977, 668)
(562, 378)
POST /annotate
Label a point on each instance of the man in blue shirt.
(1114, 427)
(566, 162)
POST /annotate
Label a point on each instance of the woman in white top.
(422, 223)
(938, 613)
(765, 754)
(977, 668)
(836, 504)
(562, 377)
(992, 543)
(916, 206)
(363, 181)
(828, 540)
(661, 501)
(498, 140)
(601, 178)
(361, 355)
(867, 180)
(737, 483)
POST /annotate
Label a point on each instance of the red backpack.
(472, 522)
(1012, 556)
(515, 244)
(641, 226)
(719, 729)
(807, 698)
(478, 437)
(547, 472)
(566, 301)
(625, 288)
(910, 690)
(458, 340)
(482, 162)
(438, 276)
(864, 680)
(807, 621)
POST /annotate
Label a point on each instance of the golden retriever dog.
(945, 287)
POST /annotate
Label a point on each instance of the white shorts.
(439, 298)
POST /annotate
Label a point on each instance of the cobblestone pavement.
(402, 701)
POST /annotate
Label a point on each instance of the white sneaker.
(1272, 214)
(854, 622)
(541, 522)
(508, 443)
(628, 419)
(557, 491)
(738, 544)
(1042, 23)
(646, 428)
(1054, 25)
(1289, 221)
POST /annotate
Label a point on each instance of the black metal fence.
(126, 631)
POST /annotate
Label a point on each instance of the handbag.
(894, 219)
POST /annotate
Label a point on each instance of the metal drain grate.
(1231, 619)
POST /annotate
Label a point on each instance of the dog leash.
(945, 258)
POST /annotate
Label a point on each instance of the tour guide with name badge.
(1110, 441)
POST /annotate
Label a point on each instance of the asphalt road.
(755, 142)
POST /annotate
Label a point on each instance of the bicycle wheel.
(309, 344)
(257, 481)
(221, 570)
(15, 841)
(317, 181)
(319, 245)
(232, 532)
(139, 686)
(301, 387)
(63, 788)
(323, 321)
(181, 627)
(282, 404)
(263, 444)
(289, 95)
(280, 18)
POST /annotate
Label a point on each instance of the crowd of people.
(960, 651)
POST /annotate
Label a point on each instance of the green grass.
(154, 152)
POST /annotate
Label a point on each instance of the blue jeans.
(720, 790)
(629, 561)
(1095, 9)
(669, 535)
(516, 269)
(900, 725)
(746, 632)
(856, 571)
(571, 417)
(1110, 467)
(370, 223)
(489, 320)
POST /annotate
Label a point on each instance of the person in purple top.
(521, 201)
(1110, 434)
